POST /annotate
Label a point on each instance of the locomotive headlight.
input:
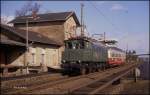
(63, 61)
(79, 61)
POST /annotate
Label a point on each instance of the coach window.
(116, 55)
(113, 55)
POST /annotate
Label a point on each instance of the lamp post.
(82, 29)
(27, 30)
(27, 36)
(27, 44)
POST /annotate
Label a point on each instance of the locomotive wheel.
(99, 69)
(92, 70)
(89, 70)
(104, 67)
(83, 71)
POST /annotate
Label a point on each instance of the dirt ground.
(128, 87)
(140, 87)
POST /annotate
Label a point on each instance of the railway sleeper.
(82, 91)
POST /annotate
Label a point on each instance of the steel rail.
(42, 86)
(21, 80)
(92, 76)
(62, 84)
(3, 79)
(112, 80)
(78, 89)
(18, 86)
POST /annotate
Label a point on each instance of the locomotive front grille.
(72, 55)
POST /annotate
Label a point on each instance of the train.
(84, 55)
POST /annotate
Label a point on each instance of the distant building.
(57, 26)
(43, 51)
(145, 59)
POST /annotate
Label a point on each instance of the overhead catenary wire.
(106, 18)
(101, 13)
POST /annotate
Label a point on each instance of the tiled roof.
(33, 36)
(11, 42)
(61, 16)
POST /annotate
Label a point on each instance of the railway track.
(22, 76)
(25, 82)
(96, 87)
(72, 84)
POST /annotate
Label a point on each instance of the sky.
(125, 21)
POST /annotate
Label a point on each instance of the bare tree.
(28, 8)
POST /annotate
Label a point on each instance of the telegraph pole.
(34, 17)
(27, 44)
(82, 29)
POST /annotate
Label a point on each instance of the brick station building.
(46, 39)
(15, 57)
(57, 26)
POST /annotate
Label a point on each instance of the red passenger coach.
(116, 56)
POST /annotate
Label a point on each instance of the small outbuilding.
(17, 59)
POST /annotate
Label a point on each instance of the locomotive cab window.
(87, 44)
(68, 45)
(76, 44)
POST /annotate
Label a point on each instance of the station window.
(119, 55)
(42, 58)
(33, 58)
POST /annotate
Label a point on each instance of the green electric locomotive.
(83, 55)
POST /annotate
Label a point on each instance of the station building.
(15, 58)
(46, 42)
(57, 26)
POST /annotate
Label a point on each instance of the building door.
(2, 57)
(2, 61)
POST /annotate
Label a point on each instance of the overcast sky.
(126, 21)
